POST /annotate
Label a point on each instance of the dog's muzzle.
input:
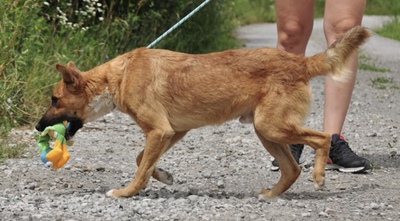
(74, 125)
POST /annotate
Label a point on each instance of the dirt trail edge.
(217, 170)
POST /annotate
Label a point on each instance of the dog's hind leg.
(290, 171)
(320, 142)
(282, 125)
(158, 173)
(293, 134)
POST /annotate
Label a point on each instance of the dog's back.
(197, 90)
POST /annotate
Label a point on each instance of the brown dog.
(169, 93)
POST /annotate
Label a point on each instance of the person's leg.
(294, 20)
(339, 17)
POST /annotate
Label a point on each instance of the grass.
(391, 29)
(254, 11)
(382, 7)
(382, 80)
(369, 67)
(11, 151)
(384, 83)
(365, 63)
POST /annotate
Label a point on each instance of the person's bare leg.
(294, 23)
(339, 17)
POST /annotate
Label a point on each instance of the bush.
(254, 11)
(21, 44)
(37, 34)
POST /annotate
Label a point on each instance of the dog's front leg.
(156, 142)
(158, 173)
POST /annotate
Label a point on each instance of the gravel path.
(217, 170)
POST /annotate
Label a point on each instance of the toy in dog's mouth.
(72, 127)
(74, 124)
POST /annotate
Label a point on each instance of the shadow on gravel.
(327, 193)
(306, 195)
(386, 160)
(166, 193)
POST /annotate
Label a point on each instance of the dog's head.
(68, 101)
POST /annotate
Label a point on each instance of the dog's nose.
(38, 127)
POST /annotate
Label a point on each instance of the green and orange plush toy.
(57, 156)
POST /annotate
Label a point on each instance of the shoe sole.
(274, 168)
(301, 161)
(331, 166)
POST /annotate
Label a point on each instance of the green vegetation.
(366, 63)
(384, 83)
(370, 67)
(373, 7)
(385, 7)
(254, 11)
(37, 34)
(11, 151)
(391, 29)
(391, 8)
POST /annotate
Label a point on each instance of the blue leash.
(178, 23)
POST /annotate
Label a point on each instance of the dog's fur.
(169, 93)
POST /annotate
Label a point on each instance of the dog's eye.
(54, 101)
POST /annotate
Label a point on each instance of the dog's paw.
(246, 119)
(319, 185)
(164, 176)
(265, 194)
(110, 193)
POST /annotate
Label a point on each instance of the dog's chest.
(100, 105)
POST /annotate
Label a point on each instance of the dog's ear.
(71, 76)
(71, 65)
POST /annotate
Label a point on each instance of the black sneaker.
(344, 159)
(296, 150)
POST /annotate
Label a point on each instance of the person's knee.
(292, 37)
(335, 31)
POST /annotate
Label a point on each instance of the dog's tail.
(332, 61)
